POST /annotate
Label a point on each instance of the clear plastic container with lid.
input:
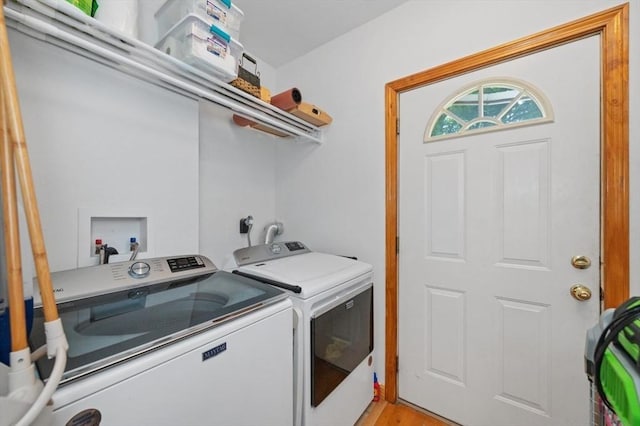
(194, 41)
(221, 13)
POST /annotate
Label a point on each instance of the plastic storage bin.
(207, 47)
(221, 13)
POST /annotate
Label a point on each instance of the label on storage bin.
(216, 12)
(217, 46)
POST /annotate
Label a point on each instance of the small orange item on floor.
(376, 388)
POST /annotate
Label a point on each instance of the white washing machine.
(333, 299)
(170, 341)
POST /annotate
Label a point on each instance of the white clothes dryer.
(333, 344)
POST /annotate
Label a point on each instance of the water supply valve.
(246, 224)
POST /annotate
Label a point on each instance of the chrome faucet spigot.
(105, 252)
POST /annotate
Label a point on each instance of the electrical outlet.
(244, 228)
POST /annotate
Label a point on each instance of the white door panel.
(488, 332)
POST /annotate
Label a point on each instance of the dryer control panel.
(264, 252)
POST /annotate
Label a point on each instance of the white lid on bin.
(239, 13)
(213, 29)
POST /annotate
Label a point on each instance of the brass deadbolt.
(580, 262)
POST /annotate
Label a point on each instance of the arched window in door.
(490, 105)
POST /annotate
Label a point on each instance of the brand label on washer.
(214, 351)
(88, 417)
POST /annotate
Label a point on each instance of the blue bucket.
(5, 329)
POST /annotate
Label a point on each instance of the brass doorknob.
(580, 292)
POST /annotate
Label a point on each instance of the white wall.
(106, 142)
(332, 196)
(237, 179)
(236, 166)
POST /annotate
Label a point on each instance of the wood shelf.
(59, 23)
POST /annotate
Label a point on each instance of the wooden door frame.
(612, 26)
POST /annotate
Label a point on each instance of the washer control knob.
(275, 248)
(139, 270)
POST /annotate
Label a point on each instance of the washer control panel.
(101, 279)
(265, 252)
(184, 263)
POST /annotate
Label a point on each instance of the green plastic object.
(619, 381)
(87, 6)
(629, 339)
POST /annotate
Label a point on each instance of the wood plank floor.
(382, 413)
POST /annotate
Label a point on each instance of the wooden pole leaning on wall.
(11, 237)
(13, 122)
